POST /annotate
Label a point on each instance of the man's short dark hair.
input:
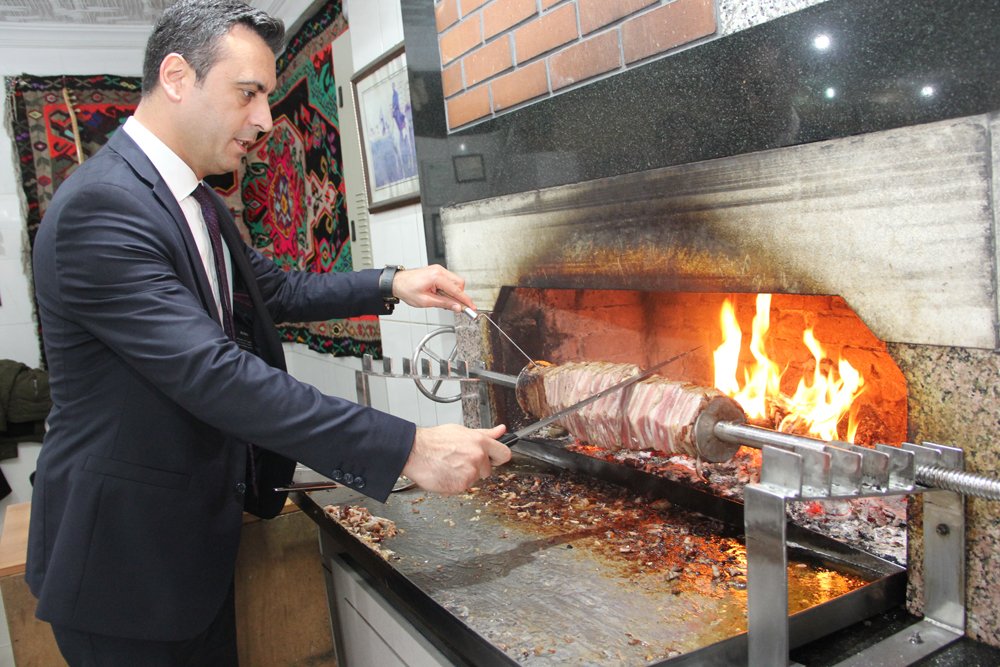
(194, 29)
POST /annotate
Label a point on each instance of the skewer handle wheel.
(434, 388)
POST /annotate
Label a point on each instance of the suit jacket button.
(336, 475)
(359, 482)
(241, 488)
(348, 478)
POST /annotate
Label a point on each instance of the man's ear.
(175, 75)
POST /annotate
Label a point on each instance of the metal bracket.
(801, 472)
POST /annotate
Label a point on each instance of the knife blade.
(512, 438)
(402, 484)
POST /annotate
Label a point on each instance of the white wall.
(376, 28)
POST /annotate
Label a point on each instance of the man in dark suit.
(164, 365)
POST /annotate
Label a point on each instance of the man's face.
(226, 111)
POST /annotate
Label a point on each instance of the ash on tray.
(367, 527)
(875, 525)
(648, 536)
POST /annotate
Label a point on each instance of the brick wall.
(498, 54)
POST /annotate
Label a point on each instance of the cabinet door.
(371, 632)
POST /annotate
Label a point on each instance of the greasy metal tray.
(489, 590)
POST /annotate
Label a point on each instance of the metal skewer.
(504, 334)
(473, 315)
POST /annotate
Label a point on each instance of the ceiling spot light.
(822, 42)
(927, 91)
(830, 93)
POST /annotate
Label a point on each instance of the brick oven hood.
(899, 223)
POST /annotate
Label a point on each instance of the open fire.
(821, 399)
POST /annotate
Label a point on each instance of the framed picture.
(385, 121)
(469, 168)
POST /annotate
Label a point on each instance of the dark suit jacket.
(141, 481)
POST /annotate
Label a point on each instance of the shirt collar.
(176, 174)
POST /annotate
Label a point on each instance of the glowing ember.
(816, 407)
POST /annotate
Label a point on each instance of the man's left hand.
(431, 287)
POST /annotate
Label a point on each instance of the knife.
(511, 438)
(402, 484)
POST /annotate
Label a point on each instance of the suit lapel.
(271, 469)
(123, 144)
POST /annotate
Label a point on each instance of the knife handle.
(508, 439)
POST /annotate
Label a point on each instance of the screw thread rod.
(960, 481)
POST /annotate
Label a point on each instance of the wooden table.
(31, 640)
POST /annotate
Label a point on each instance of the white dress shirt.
(182, 181)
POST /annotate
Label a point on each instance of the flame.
(817, 406)
(727, 355)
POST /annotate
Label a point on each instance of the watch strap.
(385, 286)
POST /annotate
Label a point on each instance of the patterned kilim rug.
(290, 196)
(59, 121)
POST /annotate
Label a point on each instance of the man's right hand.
(449, 459)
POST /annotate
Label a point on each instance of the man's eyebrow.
(252, 82)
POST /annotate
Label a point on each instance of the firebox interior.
(631, 326)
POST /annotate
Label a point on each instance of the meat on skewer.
(656, 414)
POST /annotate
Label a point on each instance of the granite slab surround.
(890, 64)
(949, 386)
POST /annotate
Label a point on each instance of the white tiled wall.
(376, 27)
(397, 238)
(17, 330)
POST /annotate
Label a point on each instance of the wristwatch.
(385, 287)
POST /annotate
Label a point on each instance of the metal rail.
(925, 471)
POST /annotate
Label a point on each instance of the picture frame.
(385, 125)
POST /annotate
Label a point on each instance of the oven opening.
(800, 364)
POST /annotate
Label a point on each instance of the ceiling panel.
(65, 23)
(104, 12)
